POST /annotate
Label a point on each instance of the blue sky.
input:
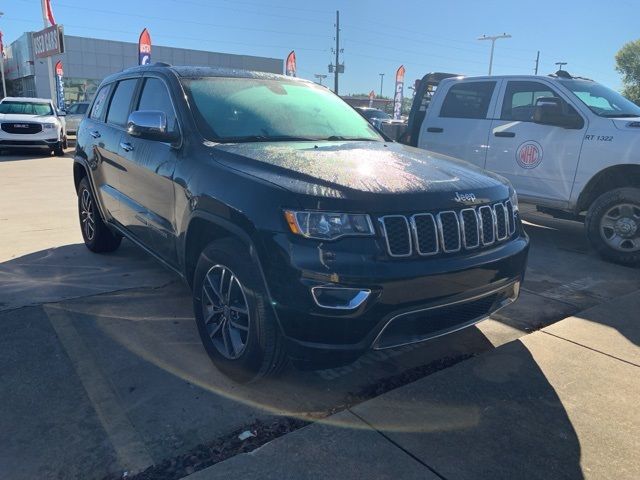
(423, 35)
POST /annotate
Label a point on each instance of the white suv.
(31, 123)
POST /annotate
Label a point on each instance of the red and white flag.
(290, 67)
(49, 12)
(1, 46)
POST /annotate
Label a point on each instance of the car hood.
(359, 170)
(16, 117)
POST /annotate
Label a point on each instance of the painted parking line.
(130, 449)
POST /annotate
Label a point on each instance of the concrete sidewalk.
(559, 403)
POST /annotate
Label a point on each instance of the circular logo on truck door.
(529, 154)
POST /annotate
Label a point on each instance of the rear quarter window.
(99, 103)
(468, 100)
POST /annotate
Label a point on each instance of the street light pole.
(320, 77)
(381, 80)
(493, 39)
(4, 85)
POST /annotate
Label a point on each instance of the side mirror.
(549, 111)
(150, 125)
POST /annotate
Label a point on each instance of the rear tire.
(59, 149)
(97, 236)
(227, 282)
(613, 225)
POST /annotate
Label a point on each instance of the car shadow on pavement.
(14, 156)
(496, 416)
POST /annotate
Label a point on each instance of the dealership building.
(87, 61)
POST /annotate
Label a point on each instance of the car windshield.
(25, 108)
(250, 109)
(602, 100)
(376, 114)
(78, 109)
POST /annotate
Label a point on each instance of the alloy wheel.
(620, 227)
(87, 215)
(225, 311)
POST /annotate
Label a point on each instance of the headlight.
(328, 225)
(49, 126)
(513, 196)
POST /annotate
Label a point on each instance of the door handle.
(95, 134)
(435, 130)
(505, 134)
(126, 146)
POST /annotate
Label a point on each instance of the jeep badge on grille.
(465, 197)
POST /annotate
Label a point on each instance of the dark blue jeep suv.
(302, 231)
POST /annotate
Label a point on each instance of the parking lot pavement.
(106, 371)
(560, 403)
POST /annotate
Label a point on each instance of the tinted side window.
(520, 100)
(120, 102)
(156, 97)
(100, 102)
(468, 100)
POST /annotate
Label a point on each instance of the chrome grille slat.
(396, 229)
(502, 222)
(425, 234)
(470, 228)
(448, 231)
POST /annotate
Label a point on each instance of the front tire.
(97, 236)
(613, 225)
(236, 323)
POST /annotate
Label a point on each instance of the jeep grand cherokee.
(302, 232)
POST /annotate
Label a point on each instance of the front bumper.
(48, 143)
(409, 300)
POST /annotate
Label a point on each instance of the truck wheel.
(97, 236)
(59, 149)
(613, 225)
(236, 322)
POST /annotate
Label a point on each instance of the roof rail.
(161, 64)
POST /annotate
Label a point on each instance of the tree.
(628, 64)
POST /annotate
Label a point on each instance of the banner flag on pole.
(49, 12)
(144, 48)
(397, 98)
(59, 86)
(1, 47)
(290, 65)
(372, 95)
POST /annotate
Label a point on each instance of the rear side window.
(120, 102)
(520, 100)
(468, 100)
(156, 97)
(99, 103)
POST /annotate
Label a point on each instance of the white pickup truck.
(569, 145)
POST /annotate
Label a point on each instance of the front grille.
(26, 128)
(448, 231)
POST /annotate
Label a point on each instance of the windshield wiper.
(620, 115)
(265, 138)
(349, 139)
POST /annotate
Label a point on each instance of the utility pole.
(493, 39)
(52, 85)
(381, 81)
(537, 62)
(335, 75)
(560, 65)
(4, 85)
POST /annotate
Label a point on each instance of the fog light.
(339, 298)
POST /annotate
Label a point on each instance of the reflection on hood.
(334, 168)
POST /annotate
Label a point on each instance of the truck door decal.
(529, 154)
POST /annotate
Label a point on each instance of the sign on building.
(48, 42)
